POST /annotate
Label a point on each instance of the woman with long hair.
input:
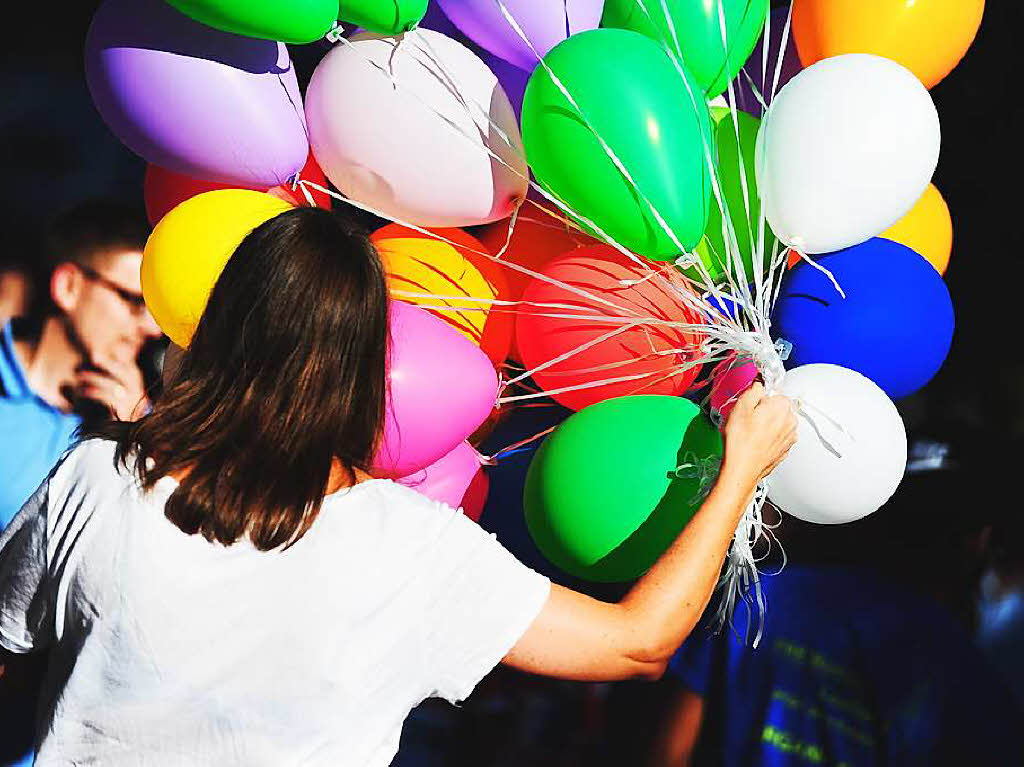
(224, 583)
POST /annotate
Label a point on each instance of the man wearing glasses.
(73, 355)
(76, 351)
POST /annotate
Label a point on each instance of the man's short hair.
(93, 229)
(86, 234)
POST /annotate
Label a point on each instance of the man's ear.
(66, 285)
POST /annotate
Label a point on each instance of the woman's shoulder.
(90, 461)
(386, 499)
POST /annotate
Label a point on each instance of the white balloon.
(406, 125)
(851, 449)
(845, 150)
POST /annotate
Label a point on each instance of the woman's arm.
(676, 743)
(577, 637)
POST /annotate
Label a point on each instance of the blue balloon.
(895, 325)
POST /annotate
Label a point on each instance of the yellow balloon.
(928, 37)
(444, 273)
(188, 249)
(927, 229)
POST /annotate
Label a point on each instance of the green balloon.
(638, 103)
(698, 33)
(290, 21)
(602, 501)
(735, 162)
(388, 17)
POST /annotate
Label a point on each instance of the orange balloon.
(927, 229)
(165, 189)
(652, 353)
(928, 37)
(418, 263)
(536, 239)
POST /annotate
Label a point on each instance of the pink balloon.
(442, 387)
(458, 479)
(418, 128)
(731, 378)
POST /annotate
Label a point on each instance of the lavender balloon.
(746, 99)
(544, 22)
(187, 97)
(513, 80)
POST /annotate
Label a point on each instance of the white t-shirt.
(170, 650)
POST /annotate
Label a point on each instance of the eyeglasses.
(135, 301)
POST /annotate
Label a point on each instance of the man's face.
(106, 312)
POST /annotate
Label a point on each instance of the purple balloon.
(513, 80)
(441, 388)
(436, 20)
(209, 104)
(745, 96)
(545, 23)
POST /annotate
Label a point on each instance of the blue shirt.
(33, 433)
(852, 670)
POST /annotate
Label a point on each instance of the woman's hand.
(576, 637)
(758, 435)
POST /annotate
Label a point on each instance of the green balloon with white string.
(613, 486)
(387, 17)
(693, 30)
(735, 142)
(628, 149)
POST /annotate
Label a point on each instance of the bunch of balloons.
(664, 200)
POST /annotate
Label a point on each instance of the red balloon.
(475, 499)
(536, 239)
(165, 189)
(644, 350)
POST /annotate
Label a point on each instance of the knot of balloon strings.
(703, 469)
(335, 33)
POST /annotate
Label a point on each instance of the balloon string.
(576, 387)
(426, 232)
(499, 454)
(572, 352)
(725, 333)
(609, 152)
(501, 160)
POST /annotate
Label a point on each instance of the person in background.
(69, 353)
(1000, 597)
(859, 664)
(75, 351)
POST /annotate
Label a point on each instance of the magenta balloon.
(544, 22)
(746, 99)
(447, 480)
(184, 96)
(442, 387)
(731, 378)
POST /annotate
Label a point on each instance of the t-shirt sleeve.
(26, 611)
(480, 601)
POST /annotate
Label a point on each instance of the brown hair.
(285, 372)
(86, 234)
